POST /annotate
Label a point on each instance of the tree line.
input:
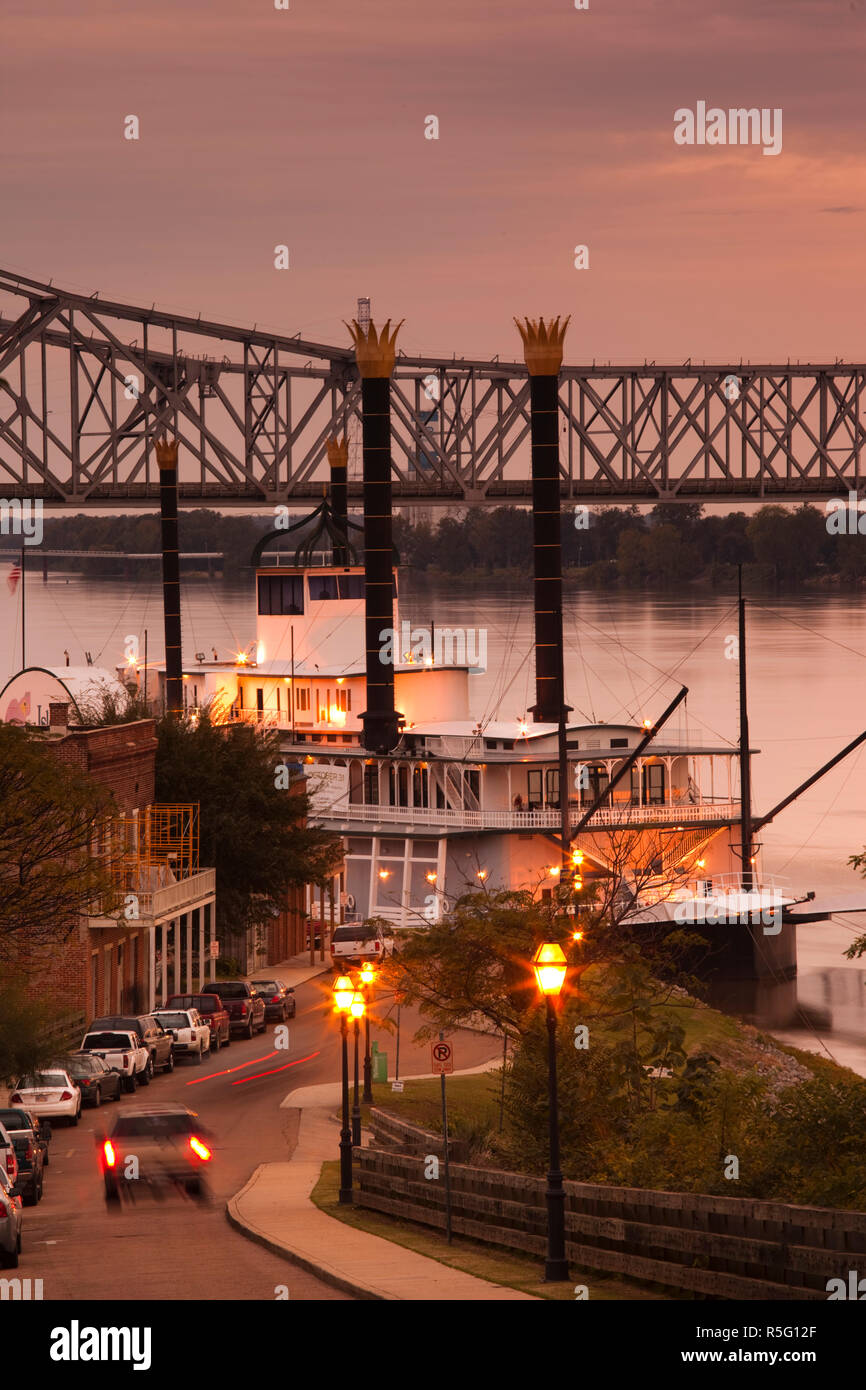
(671, 544)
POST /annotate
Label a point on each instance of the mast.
(745, 755)
(23, 609)
(166, 455)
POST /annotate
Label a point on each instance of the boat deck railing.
(615, 818)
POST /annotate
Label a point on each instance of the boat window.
(281, 595)
(351, 585)
(360, 845)
(392, 847)
(425, 849)
(322, 586)
(533, 783)
(552, 787)
(619, 743)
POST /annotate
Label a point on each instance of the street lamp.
(368, 978)
(343, 993)
(358, 1009)
(549, 965)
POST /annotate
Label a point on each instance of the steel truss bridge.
(90, 384)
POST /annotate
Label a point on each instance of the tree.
(51, 819)
(251, 829)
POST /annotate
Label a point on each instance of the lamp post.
(358, 1009)
(368, 978)
(343, 993)
(549, 965)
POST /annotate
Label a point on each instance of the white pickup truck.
(123, 1052)
(190, 1032)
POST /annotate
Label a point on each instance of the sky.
(305, 127)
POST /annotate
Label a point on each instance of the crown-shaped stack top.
(338, 452)
(542, 344)
(166, 452)
(374, 352)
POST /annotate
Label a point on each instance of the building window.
(351, 585)
(551, 778)
(322, 586)
(533, 786)
(302, 698)
(344, 699)
(653, 784)
(281, 595)
(371, 785)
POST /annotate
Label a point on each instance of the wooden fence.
(720, 1247)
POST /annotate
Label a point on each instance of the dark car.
(279, 999)
(31, 1150)
(94, 1079)
(246, 1007)
(212, 1010)
(158, 1042)
(170, 1147)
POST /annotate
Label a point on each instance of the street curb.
(276, 1247)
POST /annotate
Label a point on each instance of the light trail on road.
(273, 1070)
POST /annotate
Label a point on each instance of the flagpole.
(23, 611)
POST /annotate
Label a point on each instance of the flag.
(13, 576)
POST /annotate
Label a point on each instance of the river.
(626, 655)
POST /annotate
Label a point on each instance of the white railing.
(180, 896)
(688, 814)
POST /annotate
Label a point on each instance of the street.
(172, 1247)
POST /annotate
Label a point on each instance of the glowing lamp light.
(549, 965)
(384, 873)
(554, 870)
(357, 1007)
(577, 856)
(647, 724)
(482, 874)
(702, 863)
(341, 680)
(523, 728)
(242, 658)
(431, 877)
(344, 992)
(577, 882)
(368, 974)
(577, 936)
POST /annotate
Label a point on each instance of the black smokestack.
(338, 457)
(166, 454)
(375, 357)
(543, 354)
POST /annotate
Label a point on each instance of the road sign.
(214, 947)
(442, 1058)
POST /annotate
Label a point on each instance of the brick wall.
(99, 971)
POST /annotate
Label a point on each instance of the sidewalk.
(293, 972)
(274, 1208)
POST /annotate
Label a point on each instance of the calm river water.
(626, 655)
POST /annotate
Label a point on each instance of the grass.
(511, 1270)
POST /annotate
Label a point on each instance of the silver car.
(11, 1222)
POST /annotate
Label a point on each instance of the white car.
(49, 1094)
(123, 1052)
(190, 1032)
(11, 1221)
(8, 1158)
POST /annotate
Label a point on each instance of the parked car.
(190, 1032)
(122, 1052)
(16, 1119)
(212, 1010)
(246, 1008)
(30, 1150)
(159, 1043)
(11, 1222)
(279, 999)
(356, 942)
(51, 1092)
(95, 1080)
(8, 1156)
(169, 1142)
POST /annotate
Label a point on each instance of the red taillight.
(3, 1212)
(199, 1148)
(245, 1008)
(110, 1155)
(66, 1095)
(15, 1099)
(28, 1152)
(125, 1059)
(378, 947)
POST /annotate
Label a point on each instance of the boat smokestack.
(374, 353)
(542, 351)
(338, 458)
(166, 457)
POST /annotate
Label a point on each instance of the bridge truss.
(90, 384)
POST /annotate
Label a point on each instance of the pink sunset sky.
(306, 127)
